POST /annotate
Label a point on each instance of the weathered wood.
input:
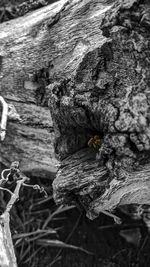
(108, 95)
(10, 11)
(36, 50)
(83, 181)
(22, 83)
(7, 256)
(88, 61)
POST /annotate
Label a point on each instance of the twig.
(15, 195)
(7, 190)
(116, 218)
(37, 187)
(2, 174)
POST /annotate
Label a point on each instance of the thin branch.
(3, 179)
(37, 187)
(7, 190)
(15, 195)
(116, 218)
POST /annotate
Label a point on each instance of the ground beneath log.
(97, 243)
(101, 239)
(109, 249)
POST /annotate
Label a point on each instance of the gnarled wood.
(108, 95)
(88, 62)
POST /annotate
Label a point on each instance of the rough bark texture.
(89, 62)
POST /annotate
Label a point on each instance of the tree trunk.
(88, 61)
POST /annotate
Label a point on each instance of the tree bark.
(89, 63)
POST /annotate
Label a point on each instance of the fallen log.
(88, 63)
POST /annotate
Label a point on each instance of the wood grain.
(87, 62)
